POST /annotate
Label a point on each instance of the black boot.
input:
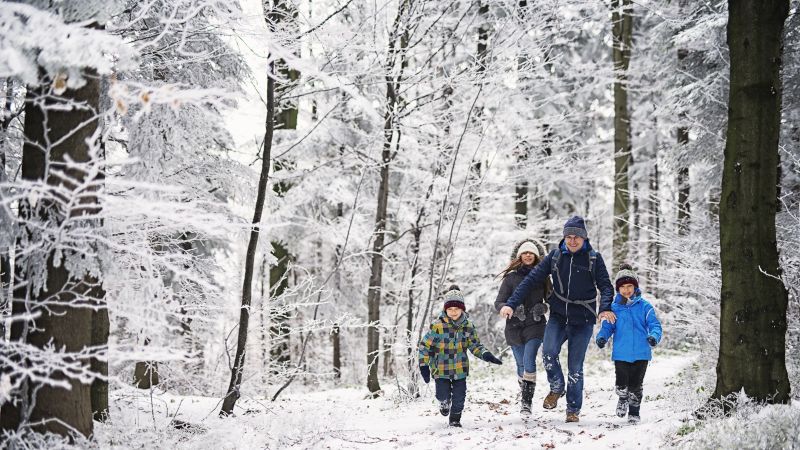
(528, 387)
(622, 404)
(444, 407)
(455, 419)
(634, 403)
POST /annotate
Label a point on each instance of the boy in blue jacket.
(636, 330)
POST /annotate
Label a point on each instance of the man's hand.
(506, 312)
(601, 342)
(606, 315)
(652, 341)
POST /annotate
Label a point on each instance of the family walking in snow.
(567, 279)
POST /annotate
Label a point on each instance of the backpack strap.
(592, 259)
(557, 275)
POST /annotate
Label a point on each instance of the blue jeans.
(577, 337)
(454, 390)
(525, 356)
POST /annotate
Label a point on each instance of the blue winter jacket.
(572, 280)
(636, 320)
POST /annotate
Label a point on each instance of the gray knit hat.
(454, 298)
(625, 275)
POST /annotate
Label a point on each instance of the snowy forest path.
(346, 418)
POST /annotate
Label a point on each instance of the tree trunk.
(337, 352)
(684, 188)
(376, 277)
(99, 389)
(398, 41)
(286, 114)
(145, 374)
(684, 211)
(754, 300)
(234, 386)
(279, 327)
(655, 225)
(64, 323)
(521, 191)
(622, 31)
(482, 52)
(6, 221)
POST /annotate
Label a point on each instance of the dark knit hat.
(575, 226)
(626, 275)
(454, 298)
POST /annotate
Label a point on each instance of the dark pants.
(630, 377)
(452, 390)
(577, 337)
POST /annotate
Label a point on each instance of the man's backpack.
(557, 276)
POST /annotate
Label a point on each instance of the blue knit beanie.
(576, 227)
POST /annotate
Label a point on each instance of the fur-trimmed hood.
(536, 242)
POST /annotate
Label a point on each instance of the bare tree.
(395, 59)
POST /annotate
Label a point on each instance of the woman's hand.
(506, 312)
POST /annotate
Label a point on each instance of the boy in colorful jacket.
(444, 349)
(636, 330)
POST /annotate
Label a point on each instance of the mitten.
(652, 341)
(425, 371)
(601, 342)
(539, 310)
(490, 358)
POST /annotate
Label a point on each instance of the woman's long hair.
(515, 264)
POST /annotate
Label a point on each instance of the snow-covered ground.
(345, 418)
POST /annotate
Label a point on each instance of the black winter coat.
(521, 327)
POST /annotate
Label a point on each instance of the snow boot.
(444, 407)
(528, 387)
(455, 420)
(551, 401)
(634, 403)
(572, 417)
(622, 404)
(622, 407)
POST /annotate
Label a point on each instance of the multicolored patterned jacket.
(444, 348)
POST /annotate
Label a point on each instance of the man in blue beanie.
(578, 272)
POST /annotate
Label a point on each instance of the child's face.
(453, 312)
(626, 290)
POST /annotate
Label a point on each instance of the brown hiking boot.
(551, 400)
(572, 417)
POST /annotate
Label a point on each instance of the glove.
(425, 371)
(490, 358)
(601, 342)
(539, 310)
(652, 341)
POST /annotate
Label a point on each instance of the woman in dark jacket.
(525, 329)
